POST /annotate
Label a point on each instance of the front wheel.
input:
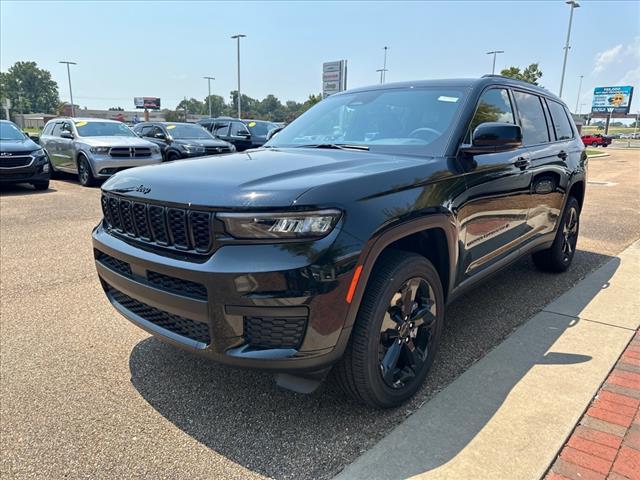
(594, 144)
(44, 185)
(559, 256)
(396, 333)
(85, 175)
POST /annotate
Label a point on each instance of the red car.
(596, 140)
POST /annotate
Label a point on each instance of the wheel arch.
(577, 190)
(435, 237)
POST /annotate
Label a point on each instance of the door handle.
(562, 155)
(522, 163)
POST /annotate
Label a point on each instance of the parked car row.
(95, 149)
(596, 140)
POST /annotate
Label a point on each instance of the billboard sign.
(612, 100)
(334, 77)
(149, 103)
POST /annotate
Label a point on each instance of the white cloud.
(603, 59)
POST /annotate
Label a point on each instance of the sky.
(163, 49)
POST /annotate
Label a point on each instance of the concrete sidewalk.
(508, 415)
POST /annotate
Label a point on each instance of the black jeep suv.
(340, 242)
(21, 159)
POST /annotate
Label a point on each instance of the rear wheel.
(85, 175)
(397, 331)
(559, 256)
(594, 144)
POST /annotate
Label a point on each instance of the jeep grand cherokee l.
(21, 159)
(339, 243)
(95, 148)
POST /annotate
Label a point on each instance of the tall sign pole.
(574, 4)
(238, 37)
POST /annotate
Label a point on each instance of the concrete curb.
(510, 413)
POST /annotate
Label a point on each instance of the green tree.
(173, 115)
(30, 89)
(116, 109)
(270, 108)
(530, 74)
(218, 107)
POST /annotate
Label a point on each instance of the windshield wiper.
(337, 146)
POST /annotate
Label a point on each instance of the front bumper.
(30, 174)
(104, 165)
(286, 315)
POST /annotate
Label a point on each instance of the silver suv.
(95, 148)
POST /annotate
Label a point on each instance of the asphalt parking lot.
(86, 394)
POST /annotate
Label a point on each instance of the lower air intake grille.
(272, 332)
(123, 268)
(174, 323)
(177, 285)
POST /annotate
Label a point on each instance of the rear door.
(240, 135)
(493, 218)
(220, 129)
(547, 163)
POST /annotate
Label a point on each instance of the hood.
(114, 141)
(25, 145)
(256, 178)
(201, 142)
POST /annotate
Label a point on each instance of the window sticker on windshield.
(444, 98)
(252, 124)
(169, 127)
(80, 124)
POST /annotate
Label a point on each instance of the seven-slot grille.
(16, 161)
(130, 152)
(179, 228)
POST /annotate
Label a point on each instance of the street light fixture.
(238, 37)
(73, 108)
(579, 90)
(574, 4)
(208, 79)
(494, 53)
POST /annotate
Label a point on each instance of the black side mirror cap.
(67, 135)
(491, 137)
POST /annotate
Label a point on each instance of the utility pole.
(494, 53)
(73, 108)
(579, 90)
(384, 65)
(208, 79)
(238, 37)
(381, 70)
(574, 4)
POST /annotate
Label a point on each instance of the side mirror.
(160, 136)
(491, 137)
(67, 135)
(243, 134)
(273, 132)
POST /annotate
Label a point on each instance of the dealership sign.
(334, 77)
(611, 100)
(150, 103)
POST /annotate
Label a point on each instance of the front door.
(493, 216)
(66, 151)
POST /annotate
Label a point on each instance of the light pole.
(494, 53)
(579, 90)
(574, 4)
(384, 65)
(381, 70)
(73, 108)
(238, 37)
(208, 79)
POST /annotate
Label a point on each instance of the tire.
(85, 175)
(594, 144)
(41, 185)
(172, 157)
(559, 256)
(361, 372)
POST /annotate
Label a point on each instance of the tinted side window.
(147, 131)
(494, 106)
(238, 128)
(534, 124)
(221, 129)
(561, 125)
(56, 129)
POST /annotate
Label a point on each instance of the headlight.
(100, 149)
(38, 153)
(280, 225)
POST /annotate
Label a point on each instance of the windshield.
(103, 129)
(188, 131)
(8, 131)
(403, 120)
(260, 129)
